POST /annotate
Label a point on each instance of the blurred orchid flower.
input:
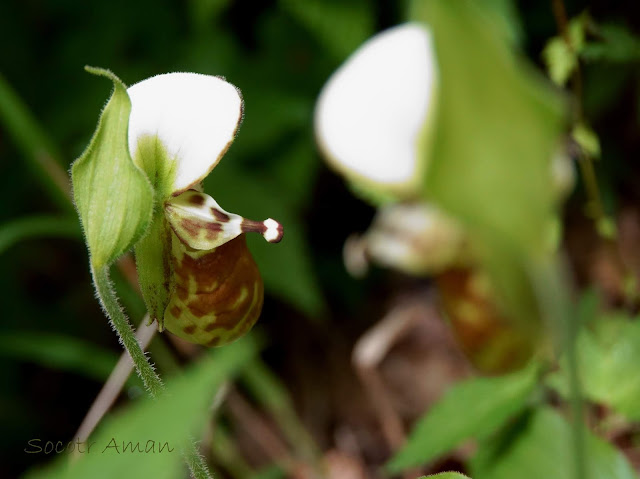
(374, 121)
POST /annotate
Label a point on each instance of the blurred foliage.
(541, 448)
(55, 343)
(607, 351)
(149, 425)
(492, 400)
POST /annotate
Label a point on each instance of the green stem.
(576, 402)
(195, 462)
(144, 368)
(121, 325)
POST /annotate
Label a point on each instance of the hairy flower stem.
(144, 368)
(120, 323)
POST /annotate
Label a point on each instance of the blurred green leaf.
(296, 171)
(617, 44)
(561, 57)
(542, 449)
(272, 394)
(270, 115)
(36, 147)
(270, 472)
(508, 18)
(496, 128)
(226, 453)
(340, 26)
(587, 139)
(471, 409)
(38, 226)
(204, 12)
(170, 419)
(608, 355)
(59, 352)
(286, 267)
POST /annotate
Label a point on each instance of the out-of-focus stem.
(604, 225)
(578, 426)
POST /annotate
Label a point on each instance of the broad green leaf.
(58, 352)
(113, 196)
(37, 226)
(340, 26)
(507, 18)
(166, 422)
(496, 129)
(471, 409)
(542, 448)
(286, 267)
(608, 355)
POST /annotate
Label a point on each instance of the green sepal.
(153, 261)
(113, 196)
(493, 142)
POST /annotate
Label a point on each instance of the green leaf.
(617, 44)
(542, 448)
(587, 139)
(113, 196)
(608, 355)
(471, 409)
(273, 396)
(338, 25)
(507, 18)
(562, 57)
(58, 352)
(36, 147)
(171, 419)
(496, 128)
(37, 226)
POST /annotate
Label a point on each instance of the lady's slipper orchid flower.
(373, 123)
(197, 276)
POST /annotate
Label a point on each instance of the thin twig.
(114, 384)
(603, 223)
(261, 432)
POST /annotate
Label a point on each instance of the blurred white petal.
(371, 112)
